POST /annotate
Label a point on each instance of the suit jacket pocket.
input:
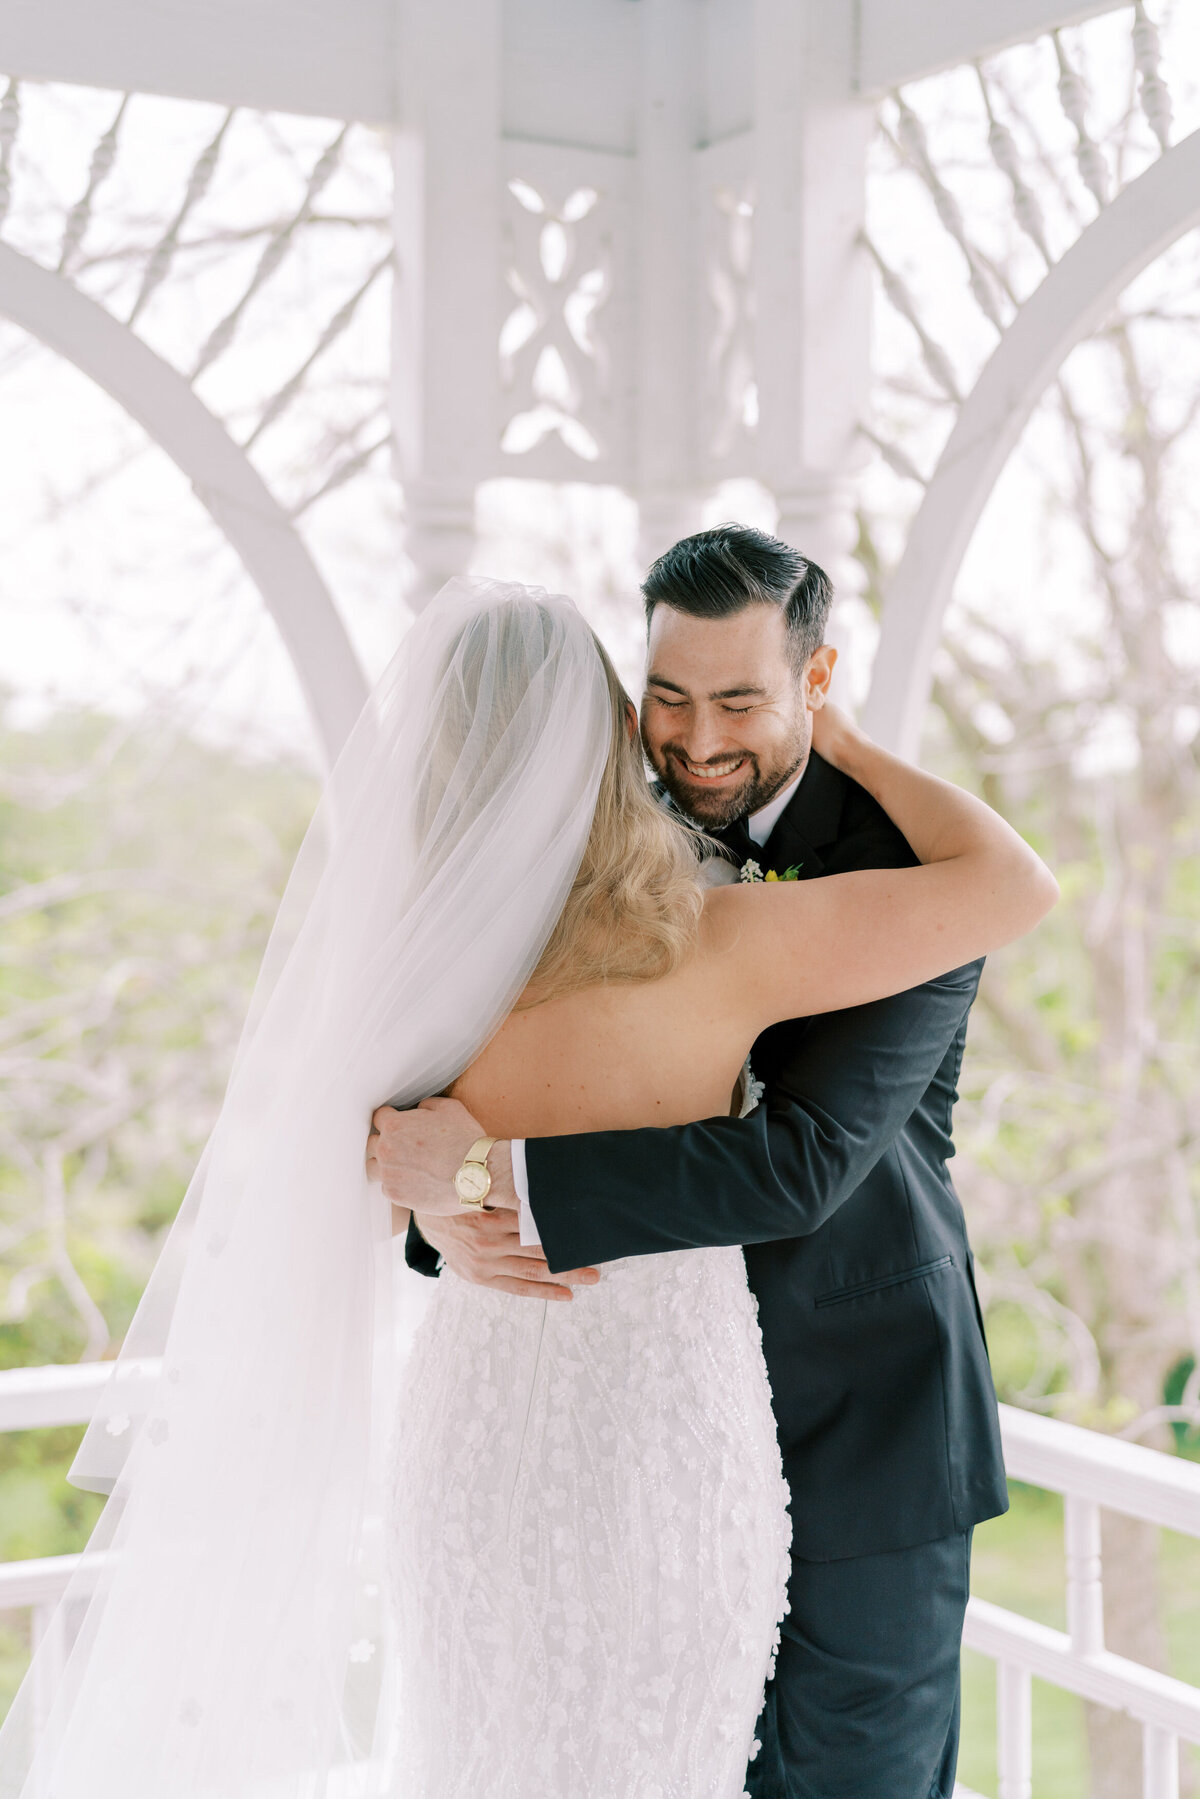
(840, 1294)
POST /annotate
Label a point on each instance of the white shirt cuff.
(528, 1229)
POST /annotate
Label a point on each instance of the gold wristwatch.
(473, 1182)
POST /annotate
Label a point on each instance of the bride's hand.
(415, 1155)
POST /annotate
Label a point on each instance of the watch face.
(472, 1182)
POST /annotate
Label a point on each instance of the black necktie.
(736, 837)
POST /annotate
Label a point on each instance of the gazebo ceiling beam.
(904, 40)
(341, 60)
(298, 56)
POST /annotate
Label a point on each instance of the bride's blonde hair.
(634, 909)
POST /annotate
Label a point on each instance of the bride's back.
(612, 1055)
(623, 1022)
(617, 1027)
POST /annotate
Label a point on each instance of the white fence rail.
(1089, 1470)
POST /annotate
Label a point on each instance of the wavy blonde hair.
(634, 910)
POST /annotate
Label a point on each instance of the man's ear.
(818, 673)
(631, 720)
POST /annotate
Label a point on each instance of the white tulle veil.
(225, 1631)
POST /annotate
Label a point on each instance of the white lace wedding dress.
(588, 1539)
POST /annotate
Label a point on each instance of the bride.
(551, 1565)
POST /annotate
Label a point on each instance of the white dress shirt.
(760, 824)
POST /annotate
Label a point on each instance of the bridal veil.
(226, 1622)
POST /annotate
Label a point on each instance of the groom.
(837, 1186)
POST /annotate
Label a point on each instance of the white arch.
(224, 479)
(1146, 219)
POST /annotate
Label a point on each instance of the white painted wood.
(571, 72)
(903, 40)
(669, 311)
(36, 1398)
(726, 76)
(812, 284)
(301, 56)
(1105, 1679)
(603, 242)
(1152, 213)
(223, 478)
(1160, 1764)
(724, 274)
(1014, 1731)
(445, 366)
(1125, 1477)
(39, 1582)
(1085, 1594)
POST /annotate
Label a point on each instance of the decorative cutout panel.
(563, 341)
(725, 208)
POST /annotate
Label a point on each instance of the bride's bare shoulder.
(722, 916)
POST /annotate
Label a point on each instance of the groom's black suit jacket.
(854, 1238)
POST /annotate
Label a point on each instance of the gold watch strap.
(476, 1159)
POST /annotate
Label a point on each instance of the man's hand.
(416, 1155)
(486, 1248)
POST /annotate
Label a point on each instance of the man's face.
(726, 721)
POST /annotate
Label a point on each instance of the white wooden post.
(1014, 1731)
(812, 286)
(445, 387)
(667, 331)
(1160, 1763)
(1085, 1593)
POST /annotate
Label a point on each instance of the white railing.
(1091, 1471)
(35, 1399)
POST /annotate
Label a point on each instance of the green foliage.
(1076, 1125)
(140, 878)
(1186, 1435)
(139, 874)
(40, 1514)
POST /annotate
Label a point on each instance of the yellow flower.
(770, 875)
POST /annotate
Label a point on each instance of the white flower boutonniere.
(752, 872)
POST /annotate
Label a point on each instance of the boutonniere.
(752, 872)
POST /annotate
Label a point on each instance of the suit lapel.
(808, 823)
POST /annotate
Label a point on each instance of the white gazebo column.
(812, 285)
(445, 399)
(666, 407)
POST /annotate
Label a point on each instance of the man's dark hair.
(722, 571)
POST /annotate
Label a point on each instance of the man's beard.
(713, 811)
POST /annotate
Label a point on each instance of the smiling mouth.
(710, 776)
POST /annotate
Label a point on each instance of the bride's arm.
(798, 948)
